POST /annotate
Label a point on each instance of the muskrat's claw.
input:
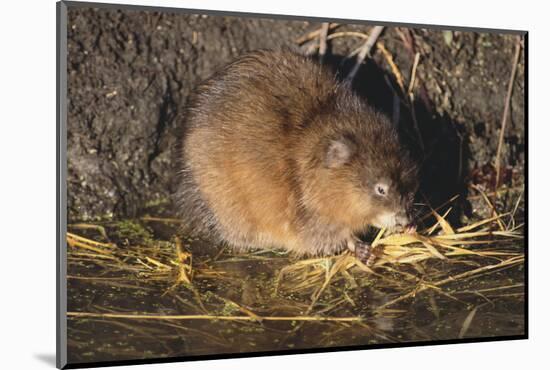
(363, 252)
(410, 229)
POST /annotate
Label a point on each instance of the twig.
(467, 322)
(490, 204)
(162, 219)
(213, 317)
(323, 41)
(506, 110)
(89, 241)
(512, 222)
(313, 34)
(411, 100)
(436, 209)
(509, 262)
(413, 73)
(240, 308)
(84, 226)
(407, 39)
(336, 35)
(311, 49)
(393, 66)
(75, 243)
(409, 94)
(365, 50)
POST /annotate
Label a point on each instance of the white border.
(27, 188)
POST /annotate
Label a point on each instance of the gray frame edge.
(61, 185)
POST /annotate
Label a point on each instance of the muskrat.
(275, 152)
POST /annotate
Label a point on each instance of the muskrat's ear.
(339, 152)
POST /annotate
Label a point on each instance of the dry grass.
(480, 247)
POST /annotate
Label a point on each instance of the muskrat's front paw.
(410, 229)
(364, 253)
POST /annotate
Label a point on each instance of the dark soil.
(130, 74)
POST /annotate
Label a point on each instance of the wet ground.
(267, 301)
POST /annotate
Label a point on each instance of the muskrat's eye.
(381, 189)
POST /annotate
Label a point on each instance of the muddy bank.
(130, 74)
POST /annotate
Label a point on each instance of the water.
(484, 305)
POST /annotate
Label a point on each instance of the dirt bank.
(130, 74)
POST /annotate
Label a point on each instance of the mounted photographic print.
(248, 184)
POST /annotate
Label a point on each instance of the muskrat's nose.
(402, 219)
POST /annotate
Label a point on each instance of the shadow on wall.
(439, 144)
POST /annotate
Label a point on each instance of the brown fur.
(275, 152)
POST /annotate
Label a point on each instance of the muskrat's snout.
(400, 220)
(405, 221)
